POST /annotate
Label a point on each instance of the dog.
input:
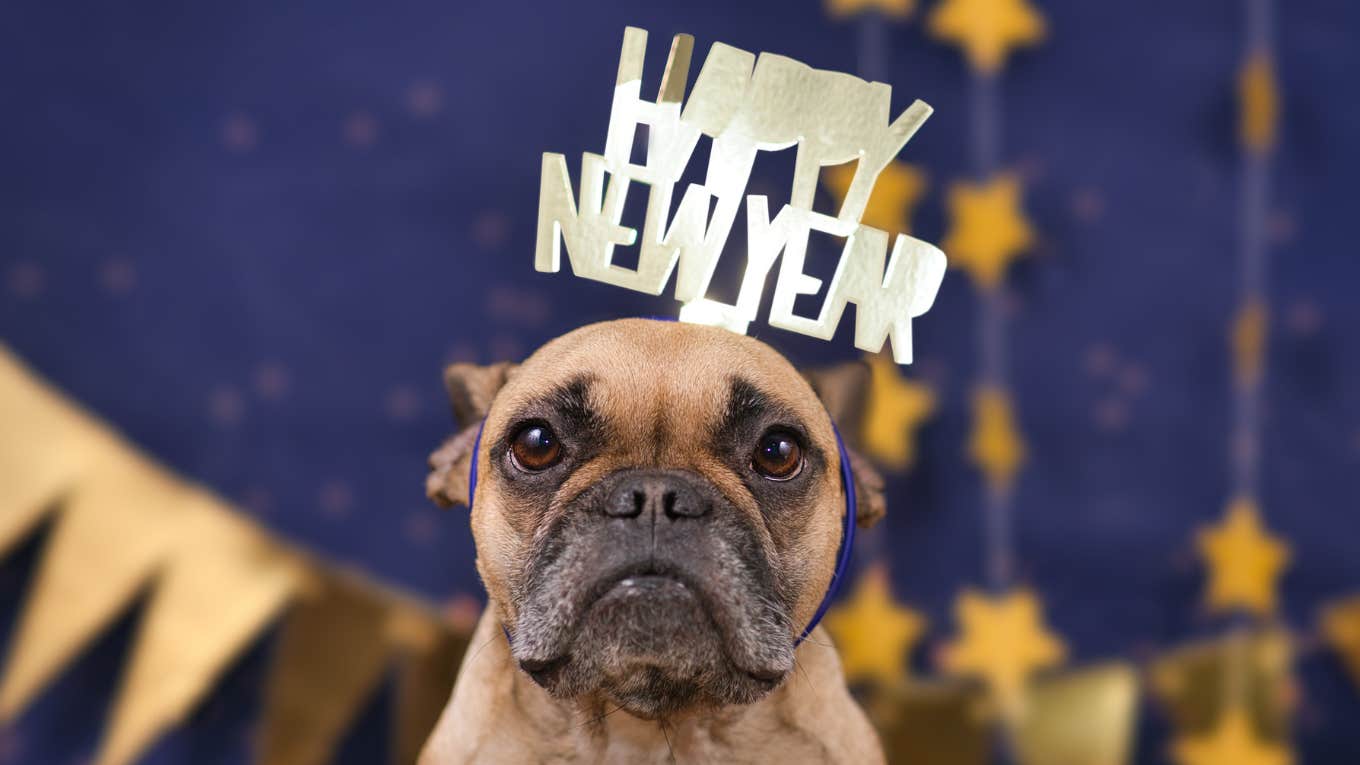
(657, 509)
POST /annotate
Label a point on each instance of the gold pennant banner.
(1199, 683)
(1083, 717)
(126, 527)
(1341, 631)
(219, 590)
(45, 447)
(427, 665)
(329, 660)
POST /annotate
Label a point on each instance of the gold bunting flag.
(125, 526)
(114, 531)
(426, 670)
(1083, 717)
(1341, 630)
(44, 446)
(223, 586)
(936, 721)
(1200, 682)
(329, 660)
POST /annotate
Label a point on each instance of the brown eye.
(778, 456)
(535, 447)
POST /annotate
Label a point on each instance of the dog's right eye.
(535, 448)
(778, 456)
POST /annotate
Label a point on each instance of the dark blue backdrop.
(249, 234)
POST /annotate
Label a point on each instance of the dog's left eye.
(777, 456)
(535, 447)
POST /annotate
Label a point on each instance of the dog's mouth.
(651, 612)
(643, 580)
(657, 639)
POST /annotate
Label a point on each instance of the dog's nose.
(656, 494)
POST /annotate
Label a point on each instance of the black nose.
(657, 493)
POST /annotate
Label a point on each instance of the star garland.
(873, 634)
(896, 408)
(987, 30)
(1002, 640)
(1233, 742)
(896, 9)
(988, 230)
(1244, 560)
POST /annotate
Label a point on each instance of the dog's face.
(658, 510)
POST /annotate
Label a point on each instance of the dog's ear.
(471, 389)
(844, 391)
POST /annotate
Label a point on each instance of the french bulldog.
(657, 514)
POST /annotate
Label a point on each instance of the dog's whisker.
(797, 665)
(599, 719)
(481, 648)
(667, 736)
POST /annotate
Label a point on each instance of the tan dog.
(657, 515)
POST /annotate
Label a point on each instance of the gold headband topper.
(744, 104)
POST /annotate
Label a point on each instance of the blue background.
(250, 234)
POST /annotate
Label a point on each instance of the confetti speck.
(1112, 415)
(271, 381)
(1304, 318)
(463, 611)
(239, 133)
(403, 403)
(518, 305)
(424, 99)
(1088, 205)
(25, 280)
(336, 499)
(360, 130)
(225, 405)
(491, 229)
(118, 276)
(421, 527)
(1133, 379)
(1100, 360)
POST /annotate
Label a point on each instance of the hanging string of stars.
(1244, 560)
(1002, 638)
(1003, 641)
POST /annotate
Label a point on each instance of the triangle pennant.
(45, 446)
(1086, 715)
(426, 671)
(330, 659)
(114, 531)
(223, 585)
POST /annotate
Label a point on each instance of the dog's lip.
(639, 575)
(643, 574)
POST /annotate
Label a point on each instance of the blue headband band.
(847, 527)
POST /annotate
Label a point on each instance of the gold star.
(1341, 630)
(988, 228)
(898, 188)
(1231, 743)
(1249, 342)
(1259, 96)
(1244, 561)
(987, 30)
(1002, 641)
(872, 632)
(996, 446)
(895, 409)
(895, 9)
